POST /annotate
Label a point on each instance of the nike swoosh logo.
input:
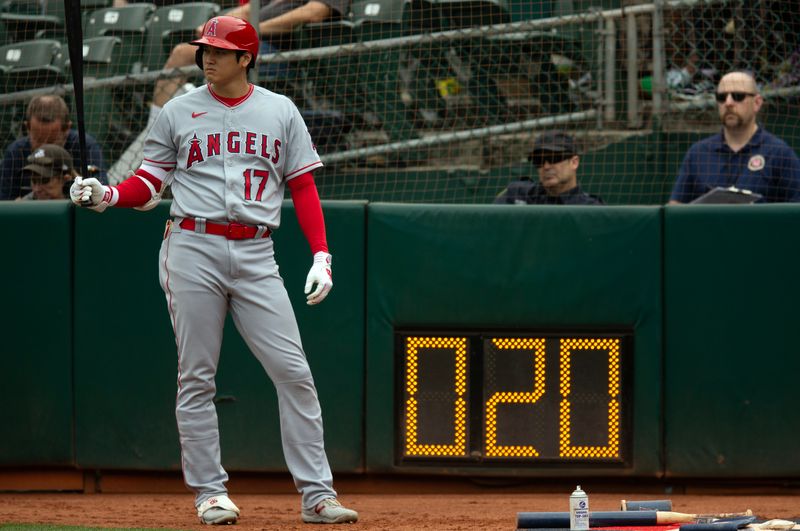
(198, 114)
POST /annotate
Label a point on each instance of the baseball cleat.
(329, 511)
(218, 510)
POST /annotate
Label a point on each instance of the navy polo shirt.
(14, 184)
(525, 191)
(765, 165)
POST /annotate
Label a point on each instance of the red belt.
(232, 231)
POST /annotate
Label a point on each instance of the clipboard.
(729, 195)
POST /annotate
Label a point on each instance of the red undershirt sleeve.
(133, 192)
(309, 211)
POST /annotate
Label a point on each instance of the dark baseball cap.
(49, 161)
(552, 144)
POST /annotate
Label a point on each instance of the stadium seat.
(94, 5)
(130, 24)
(174, 24)
(31, 64)
(315, 85)
(364, 86)
(379, 70)
(27, 20)
(446, 72)
(100, 55)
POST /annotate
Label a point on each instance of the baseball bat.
(646, 505)
(721, 526)
(615, 518)
(72, 21)
(776, 525)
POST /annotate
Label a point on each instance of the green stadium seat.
(94, 5)
(27, 20)
(317, 86)
(129, 23)
(379, 70)
(362, 86)
(100, 57)
(444, 67)
(31, 64)
(172, 25)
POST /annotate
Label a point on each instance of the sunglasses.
(555, 158)
(738, 97)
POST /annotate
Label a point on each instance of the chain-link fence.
(429, 100)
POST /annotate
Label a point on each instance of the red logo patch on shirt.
(756, 163)
(198, 114)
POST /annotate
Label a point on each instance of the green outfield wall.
(37, 325)
(705, 294)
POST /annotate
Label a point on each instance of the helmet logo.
(211, 30)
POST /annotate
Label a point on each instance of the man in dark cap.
(50, 171)
(47, 122)
(555, 156)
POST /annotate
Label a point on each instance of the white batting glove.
(90, 193)
(320, 274)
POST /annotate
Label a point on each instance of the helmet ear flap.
(198, 57)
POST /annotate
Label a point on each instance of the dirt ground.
(402, 505)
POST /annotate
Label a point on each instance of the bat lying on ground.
(780, 525)
(646, 505)
(630, 518)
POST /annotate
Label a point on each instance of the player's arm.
(141, 190)
(309, 215)
(313, 11)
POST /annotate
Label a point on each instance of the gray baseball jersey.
(230, 163)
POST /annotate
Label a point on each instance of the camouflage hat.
(49, 161)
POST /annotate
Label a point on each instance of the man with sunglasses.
(556, 159)
(743, 155)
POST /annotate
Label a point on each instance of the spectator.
(50, 172)
(556, 159)
(278, 19)
(743, 155)
(47, 121)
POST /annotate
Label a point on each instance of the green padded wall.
(126, 366)
(511, 267)
(731, 350)
(125, 360)
(37, 334)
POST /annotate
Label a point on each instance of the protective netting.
(435, 100)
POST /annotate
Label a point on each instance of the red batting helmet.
(230, 33)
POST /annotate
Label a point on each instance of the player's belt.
(232, 231)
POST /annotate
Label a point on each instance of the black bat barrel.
(596, 519)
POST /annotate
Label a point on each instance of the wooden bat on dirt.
(627, 518)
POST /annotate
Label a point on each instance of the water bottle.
(578, 510)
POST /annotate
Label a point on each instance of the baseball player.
(228, 149)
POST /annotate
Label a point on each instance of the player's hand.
(320, 274)
(89, 193)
